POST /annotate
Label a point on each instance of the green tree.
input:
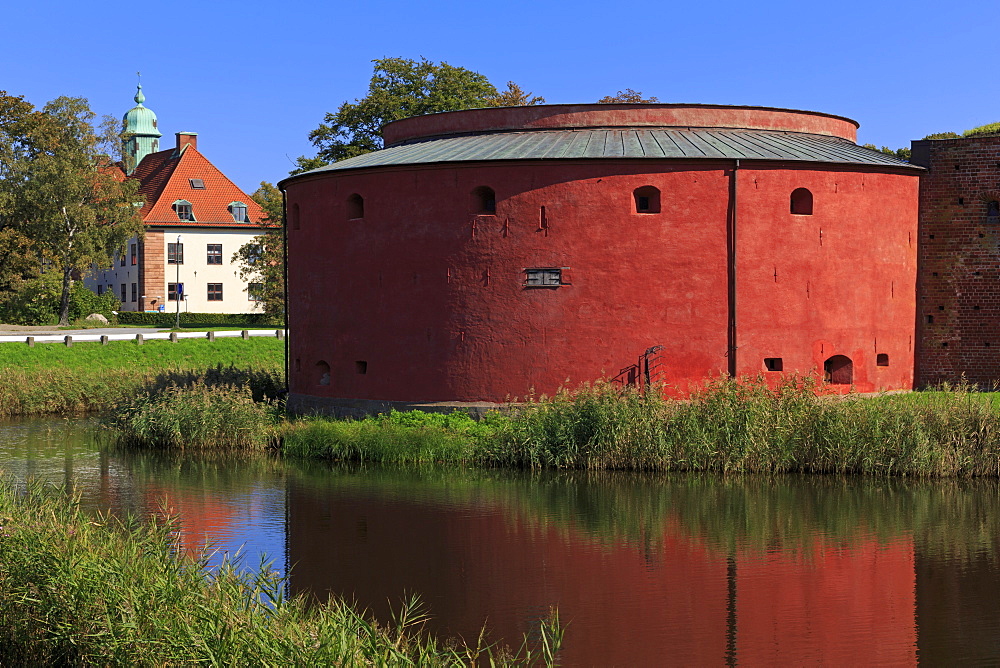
(65, 195)
(17, 260)
(262, 260)
(899, 153)
(514, 96)
(944, 135)
(401, 88)
(628, 95)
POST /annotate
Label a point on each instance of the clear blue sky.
(253, 78)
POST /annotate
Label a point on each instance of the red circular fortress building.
(488, 254)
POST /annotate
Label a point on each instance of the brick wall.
(151, 268)
(958, 304)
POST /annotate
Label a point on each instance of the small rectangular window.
(543, 277)
(773, 364)
(122, 258)
(135, 255)
(175, 290)
(239, 211)
(175, 253)
(100, 290)
(123, 293)
(215, 292)
(184, 211)
(255, 292)
(135, 292)
(197, 184)
(882, 359)
(215, 253)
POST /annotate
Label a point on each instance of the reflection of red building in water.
(489, 252)
(672, 602)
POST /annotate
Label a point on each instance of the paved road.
(119, 334)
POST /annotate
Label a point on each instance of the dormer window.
(197, 184)
(183, 209)
(239, 211)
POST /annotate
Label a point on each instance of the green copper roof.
(619, 143)
(139, 120)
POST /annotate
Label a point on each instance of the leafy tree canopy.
(400, 88)
(988, 129)
(944, 135)
(899, 153)
(628, 95)
(262, 261)
(514, 96)
(61, 191)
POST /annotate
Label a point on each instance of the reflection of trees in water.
(756, 513)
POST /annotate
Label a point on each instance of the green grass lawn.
(53, 378)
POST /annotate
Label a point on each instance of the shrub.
(167, 319)
(36, 302)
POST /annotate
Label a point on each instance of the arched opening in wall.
(355, 207)
(322, 373)
(882, 359)
(838, 370)
(484, 200)
(647, 199)
(993, 212)
(802, 202)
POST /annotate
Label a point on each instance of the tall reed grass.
(197, 416)
(728, 427)
(733, 426)
(83, 590)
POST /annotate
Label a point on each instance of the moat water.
(644, 570)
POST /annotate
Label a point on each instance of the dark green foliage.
(899, 153)
(943, 135)
(399, 88)
(80, 590)
(36, 302)
(167, 319)
(262, 260)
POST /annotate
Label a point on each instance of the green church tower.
(141, 135)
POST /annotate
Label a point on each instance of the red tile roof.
(164, 178)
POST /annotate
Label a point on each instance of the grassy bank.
(53, 378)
(86, 591)
(729, 427)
